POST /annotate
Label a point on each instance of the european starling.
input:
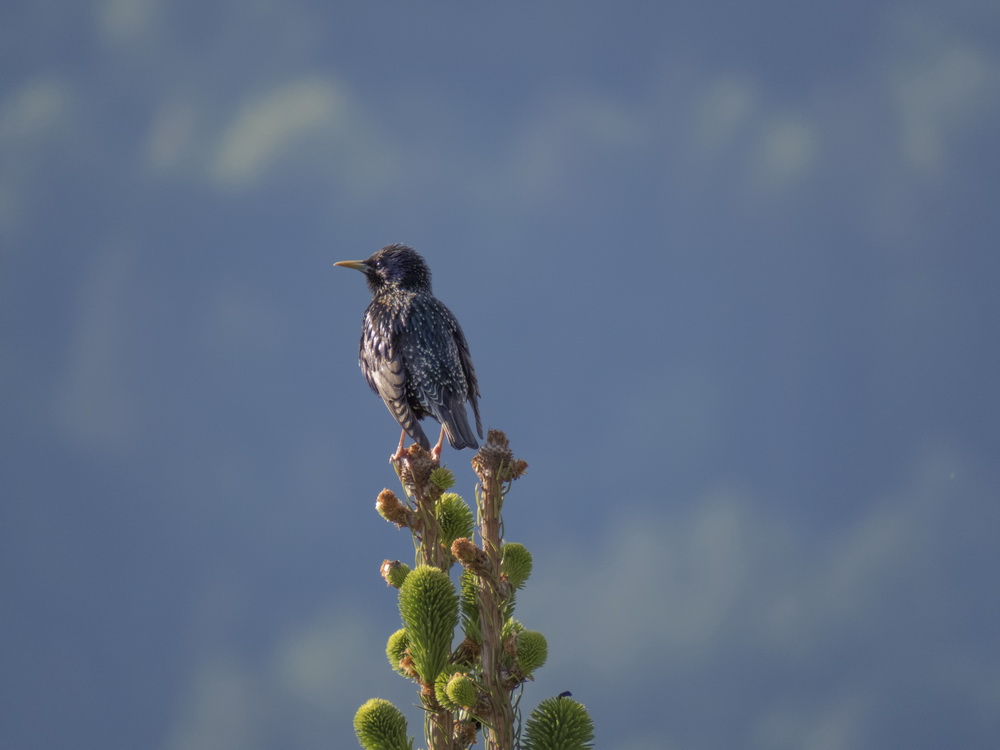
(413, 352)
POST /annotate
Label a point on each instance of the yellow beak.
(357, 265)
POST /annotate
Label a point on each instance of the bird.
(413, 352)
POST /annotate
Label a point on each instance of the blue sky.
(728, 274)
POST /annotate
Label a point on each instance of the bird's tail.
(417, 434)
(456, 427)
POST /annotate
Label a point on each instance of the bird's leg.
(400, 454)
(436, 450)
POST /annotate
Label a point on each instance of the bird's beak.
(357, 265)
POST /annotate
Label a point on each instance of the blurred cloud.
(680, 591)
(760, 143)
(788, 150)
(270, 125)
(652, 163)
(29, 116)
(96, 404)
(722, 111)
(32, 108)
(654, 741)
(684, 576)
(313, 121)
(836, 725)
(125, 20)
(691, 400)
(564, 135)
(319, 663)
(173, 138)
(939, 96)
(224, 709)
(242, 320)
(319, 671)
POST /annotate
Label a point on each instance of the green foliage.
(559, 724)
(442, 478)
(455, 689)
(470, 690)
(511, 627)
(441, 686)
(381, 726)
(454, 517)
(394, 572)
(470, 607)
(428, 605)
(395, 649)
(516, 564)
(462, 691)
(532, 651)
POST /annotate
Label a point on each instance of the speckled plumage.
(413, 352)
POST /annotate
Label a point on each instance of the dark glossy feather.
(413, 352)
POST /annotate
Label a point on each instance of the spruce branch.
(478, 684)
(496, 468)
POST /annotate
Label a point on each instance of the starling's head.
(396, 266)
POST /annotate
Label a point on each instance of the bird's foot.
(436, 450)
(401, 452)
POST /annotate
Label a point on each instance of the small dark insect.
(413, 352)
(564, 694)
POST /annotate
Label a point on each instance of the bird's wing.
(465, 357)
(431, 344)
(385, 370)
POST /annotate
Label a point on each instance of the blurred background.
(728, 272)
